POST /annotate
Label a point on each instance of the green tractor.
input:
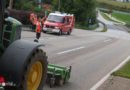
(23, 65)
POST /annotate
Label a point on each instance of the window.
(67, 20)
(63, 20)
(54, 18)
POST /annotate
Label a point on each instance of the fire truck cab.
(58, 22)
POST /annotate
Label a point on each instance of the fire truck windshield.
(55, 18)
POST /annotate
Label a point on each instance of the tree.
(83, 10)
(31, 5)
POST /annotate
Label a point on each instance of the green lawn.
(123, 71)
(107, 18)
(115, 3)
(122, 17)
(104, 30)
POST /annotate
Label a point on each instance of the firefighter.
(38, 29)
(33, 19)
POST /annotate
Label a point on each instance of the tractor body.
(23, 65)
(19, 57)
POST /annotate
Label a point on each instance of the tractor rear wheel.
(35, 72)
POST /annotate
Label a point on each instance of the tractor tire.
(36, 68)
(35, 73)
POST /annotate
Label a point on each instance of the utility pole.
(59, 6)
(10, 4)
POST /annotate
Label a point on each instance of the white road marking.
(107, 40)
(67, 51)
(51, 38)
(98, 84)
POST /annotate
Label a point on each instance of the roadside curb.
(124, 27)
(98, 84)
(115, 83)
(103, 28)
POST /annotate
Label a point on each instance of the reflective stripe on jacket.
(32, 17)
(35, 21)
(38, 27)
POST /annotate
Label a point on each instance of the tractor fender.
(14, 60)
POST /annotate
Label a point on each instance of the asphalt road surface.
(91, 54)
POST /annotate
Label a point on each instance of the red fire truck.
(58, 22)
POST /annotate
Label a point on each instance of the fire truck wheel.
(60, 33)
(69, 32)
(44, 31)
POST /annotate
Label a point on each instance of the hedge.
(22, 16)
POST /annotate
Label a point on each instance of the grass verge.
(122, 17)
(107, 18)
(128, 25)
(104, 30)
(85, 27)
(123, 71)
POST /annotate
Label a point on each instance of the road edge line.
(70, 50)
(99, 83)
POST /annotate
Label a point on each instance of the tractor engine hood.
(14, 21)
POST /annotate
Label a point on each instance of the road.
(91, 54)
